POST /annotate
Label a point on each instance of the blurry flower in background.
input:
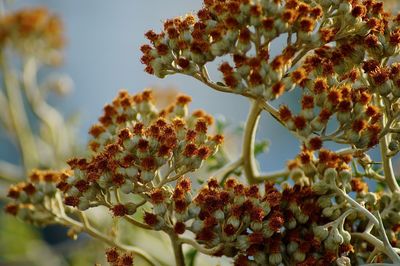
(33, 32)
(31, 39)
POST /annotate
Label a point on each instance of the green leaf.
(261, 147)
(380, 186)
(190, 256)
(200, 181)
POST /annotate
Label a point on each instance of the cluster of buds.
(34, 32)
(245, 29)
(328, 168)
(115, 258)
(132, 146)
(254, 227)
(359, 120)
(32, 200)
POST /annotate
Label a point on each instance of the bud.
(320, 187)
(316, 124)
(343, 261)
(291, 224)
(275, 258)
(130, 208)
(267, 232)
(127, 187)
(346, 236)
(324, 201)
(49, 188)
(327, 212)
(321, 232)
(219, 215)
(242, 242)
(371, 198)
(37, 197)
(330, 175)
(345, 176)
(337, 238)
(194, 210)
(292, 247)
(256, 225)
(147, 176)
(197, 226)
(301, 217)
(343, 117)
(299, 256)
(385, 88)
(104, 181)
(260, 258)
(234, 221)
(159, 209)
(83, 204)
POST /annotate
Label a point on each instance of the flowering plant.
(320, 210)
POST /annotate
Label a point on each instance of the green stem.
(387, 161)
(200, 248)
(376, 243)
(177, 246)
(19, 119)
(221, 173)
(273, 175)
(387, 165)
(387, 248)
(249, 137)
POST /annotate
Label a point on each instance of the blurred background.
(102, 56)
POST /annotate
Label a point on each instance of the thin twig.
(200, 248)
(98, 235)
(272, 176)
(220, 173)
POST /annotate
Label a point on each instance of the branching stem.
(86, 227)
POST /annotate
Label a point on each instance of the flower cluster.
(35, 32)
(32, 198)
(245, 29)
(115, 258)
(132, 145)
(240, 221)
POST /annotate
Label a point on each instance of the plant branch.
(220, 173)
(272, 176)
(173, 178)
(387, 165)
(375, 242)
(98, 235)
(383, 145)
(249, 137)
(200, 248)
(177, 247)
(388, 249)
